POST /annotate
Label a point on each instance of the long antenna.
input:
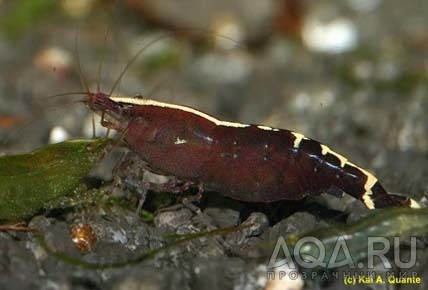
(83, 81)
(172, 34)
(133, 59)
(64, 94)
(102, 59)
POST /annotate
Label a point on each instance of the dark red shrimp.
(251, 163)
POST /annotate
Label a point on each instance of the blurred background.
(352, 74)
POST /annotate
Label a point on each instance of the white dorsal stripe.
(370, 182)
(367, 199)
(267, 128)
(414, 204)
(298, 138)
(148, 102)
(325, 149)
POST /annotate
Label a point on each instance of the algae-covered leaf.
(29, 182)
